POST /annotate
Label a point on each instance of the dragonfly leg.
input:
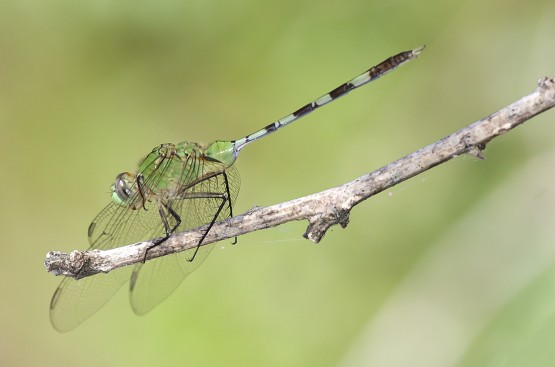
(140, 184)
(169, 231)
(225, 198)
(234, 242)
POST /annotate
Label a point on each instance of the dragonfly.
(175, 187)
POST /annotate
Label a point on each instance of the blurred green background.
(452, 268)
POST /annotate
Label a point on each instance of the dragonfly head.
(123, 189)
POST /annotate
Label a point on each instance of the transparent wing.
(76, 300)
(154, 281)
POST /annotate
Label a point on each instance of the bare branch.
(323, 209)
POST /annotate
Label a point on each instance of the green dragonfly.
(176, 187)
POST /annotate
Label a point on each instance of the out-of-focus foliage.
(452, 268)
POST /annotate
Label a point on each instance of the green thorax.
(170, 157)
(220, 151)
(170, 166)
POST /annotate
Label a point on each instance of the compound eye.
(121, 190)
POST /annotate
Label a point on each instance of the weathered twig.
(323, 209)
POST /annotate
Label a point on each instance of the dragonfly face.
(124, 189)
